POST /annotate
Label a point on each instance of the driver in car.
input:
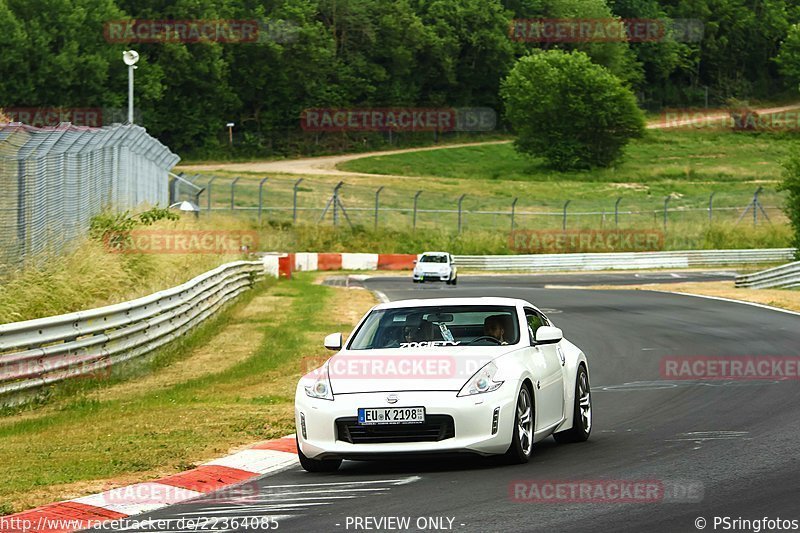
(494, 326)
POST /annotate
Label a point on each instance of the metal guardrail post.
(294, 200)
(513, 211)
(414, 216)
(261, 198)
(377, 204)
(460, 200)
(616, 211)
(564, 221)
(233, 191)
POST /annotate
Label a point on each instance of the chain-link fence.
(54, 180)
(425, 206)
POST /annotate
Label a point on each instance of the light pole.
(230, 126)
(130, 57)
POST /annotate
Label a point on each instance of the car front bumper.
(431, 277)
(472, 419)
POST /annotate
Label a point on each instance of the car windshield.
(409, 327)
(433, 259)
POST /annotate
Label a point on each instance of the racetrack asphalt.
(732, 444)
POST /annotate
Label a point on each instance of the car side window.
(535, 321)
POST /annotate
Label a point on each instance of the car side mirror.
(548, 335)
(333, 341)
(414, 262)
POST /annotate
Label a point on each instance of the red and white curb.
(266, 457)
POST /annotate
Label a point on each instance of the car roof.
(434, 253)
(430, 302)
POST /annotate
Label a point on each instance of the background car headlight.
(320, 385)
(482, 381)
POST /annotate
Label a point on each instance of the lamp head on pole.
(130, 57)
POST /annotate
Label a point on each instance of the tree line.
(367, 53)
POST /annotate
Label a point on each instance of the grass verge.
(231, 383)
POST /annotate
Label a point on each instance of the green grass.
(148, 428)
(692, 156)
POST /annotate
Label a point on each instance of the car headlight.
(320, 386)
(482, 381)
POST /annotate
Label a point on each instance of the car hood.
(431, 268)
(445, 368)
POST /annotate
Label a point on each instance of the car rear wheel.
(582, 412)
(521, 447)
(314, 465)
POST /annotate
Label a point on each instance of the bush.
(572, 112)
(791, 184)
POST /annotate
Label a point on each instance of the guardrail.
(785, 276)
(39, 352)
(624, 261)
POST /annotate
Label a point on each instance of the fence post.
(208, 197)
(711, 207)
(294, 200)
(377, 204)
(414, 219)
(513, 210)
(233, 191)
(261, 198)
(616, 211)
(460, 200)
(756, 205)
(564, 221)
(666, 202)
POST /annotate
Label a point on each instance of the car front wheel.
(582, 411)
(521, 447)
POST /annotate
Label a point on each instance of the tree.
(791, 184)
(572, 112)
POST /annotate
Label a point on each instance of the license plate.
(391, 415)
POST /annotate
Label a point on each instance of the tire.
(521, 449)
(455, 280)
(582, 411)
(313, 465)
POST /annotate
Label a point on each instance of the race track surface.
(735, 445)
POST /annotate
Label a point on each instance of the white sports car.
(435, 266)
(419, 377)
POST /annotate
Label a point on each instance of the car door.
(547, 363)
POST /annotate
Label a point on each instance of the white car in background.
(447, 375)
(435, 266)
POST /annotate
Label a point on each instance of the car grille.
(435, 428)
